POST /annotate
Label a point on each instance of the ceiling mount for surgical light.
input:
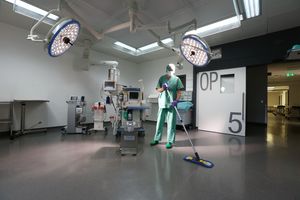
(195, 50)
(60, 37)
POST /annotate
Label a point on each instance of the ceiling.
(276, 15)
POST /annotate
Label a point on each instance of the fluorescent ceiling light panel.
(31, 11)
(252, 8)
(142, 50)
(211, 29)
(167, 40)
(149, 46)
(218, 27)
(125, 46)
(154, 46)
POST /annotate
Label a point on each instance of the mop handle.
(183, 124)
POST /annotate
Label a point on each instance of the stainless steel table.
(23, 103)
(10, 119)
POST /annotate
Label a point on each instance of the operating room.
(136, 99)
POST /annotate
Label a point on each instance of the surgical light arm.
(34, 37)
(99, 35)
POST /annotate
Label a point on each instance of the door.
(221, 101)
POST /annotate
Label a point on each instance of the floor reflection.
(281, 130)
(263, 165)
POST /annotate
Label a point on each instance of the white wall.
(27, 72)
(152, 70)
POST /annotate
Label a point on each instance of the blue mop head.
(204, 163)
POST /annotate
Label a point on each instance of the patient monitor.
(109, 85)
(132, 97)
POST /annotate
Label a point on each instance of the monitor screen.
(109, 84)
(133, 95)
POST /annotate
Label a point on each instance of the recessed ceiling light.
(142, 50)
(217, 27)
(252, 8)
(31, 11)
(124, 48)
(154, 46)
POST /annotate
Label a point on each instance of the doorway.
(278, 99)
(283, 96)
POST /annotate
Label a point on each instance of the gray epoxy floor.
(264, 165)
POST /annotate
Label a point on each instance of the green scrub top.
(174, 84)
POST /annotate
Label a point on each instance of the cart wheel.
(134, 154)
(122, 154)
(118, 134)
(63, 131)
(141, 133)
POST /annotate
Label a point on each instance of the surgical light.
(62, 36)
(195, 50)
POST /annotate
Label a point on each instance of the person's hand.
(165, 86)
(174, 103)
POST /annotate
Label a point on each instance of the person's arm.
(160, 90)
(159, 86)
(178, 95)
(180, 87)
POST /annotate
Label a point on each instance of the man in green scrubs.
(166, 105)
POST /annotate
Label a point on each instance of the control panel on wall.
(221, 101)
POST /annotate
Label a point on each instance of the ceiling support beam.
(192, 23)
(96, 34)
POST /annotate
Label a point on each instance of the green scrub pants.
(162, 114)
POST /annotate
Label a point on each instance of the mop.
(197, 160)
